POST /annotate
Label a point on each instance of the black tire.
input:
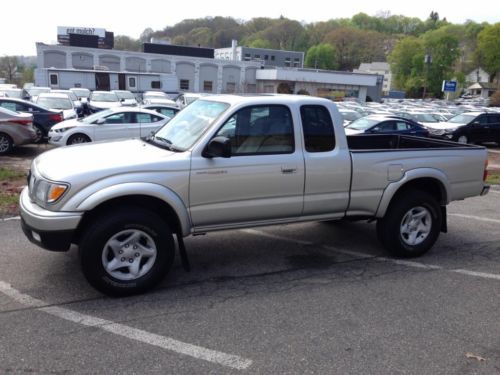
(40, 134)
(129, 228)
(412, 212)
(78, 138)
(6, 144)
(463, 139)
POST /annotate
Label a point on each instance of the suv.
(470, 127)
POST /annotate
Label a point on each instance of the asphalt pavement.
(315, 298)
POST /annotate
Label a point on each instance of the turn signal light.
(55, 192)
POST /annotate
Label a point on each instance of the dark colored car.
(471, 127)
(377, 124)
(165, 110)
(43, 118)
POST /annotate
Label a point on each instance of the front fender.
(138, 188)
(409, 176)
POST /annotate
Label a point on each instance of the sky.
(38, 20)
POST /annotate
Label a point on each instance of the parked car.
(113, 123)
(349, 115)
(43, 118)
(60, 102)
(166, 110)
(129, 204)
(100, 100)
(157, 97)
(13, 92)
(126, 97)
(33, 92)
(374, 124)
(15, 129)
(469, 127)
(183, 100)
(72, 96)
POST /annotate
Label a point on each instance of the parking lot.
(309, 298)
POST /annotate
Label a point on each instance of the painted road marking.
(11, 218)
(360, 255)
(167, 343)
(476, 218)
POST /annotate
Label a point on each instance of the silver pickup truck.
(228, 162)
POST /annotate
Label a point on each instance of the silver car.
(15, 129)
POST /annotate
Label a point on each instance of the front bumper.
(48, 229)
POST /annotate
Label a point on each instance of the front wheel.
(77, 139)
(6, 144)
(127, 251)
(411, 224)
(463, 139)
(39, 133)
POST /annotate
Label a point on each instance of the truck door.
(327, 165)
(263, 179)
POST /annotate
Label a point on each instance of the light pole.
(427, 62)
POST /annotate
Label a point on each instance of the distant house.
(483, 89)
(381, 68)
(477, 75)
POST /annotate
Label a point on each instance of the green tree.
(488, 48)
(126, 43)
(321, 56)
(406, 60)
(8, 68)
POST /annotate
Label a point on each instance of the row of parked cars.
(468, 122)
(65, 117)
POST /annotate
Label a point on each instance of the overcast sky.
(37, 20)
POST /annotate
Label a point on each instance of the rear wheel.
(6, 144)
(411, 224)
(127, 251)
(463, 139)
(78, 138)
(39, 133)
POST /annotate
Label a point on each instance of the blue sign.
(449, 86)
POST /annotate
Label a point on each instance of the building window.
(296, 63)
(156, 84)
(288, 62)
(131, 82)
(247, 57)
(54, 79)
(184, 84)
(266, 57)
(272, 57)
(230, 87)
(207, 86)
(256, 57)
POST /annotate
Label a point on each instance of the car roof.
(134, 109)
(53, 95)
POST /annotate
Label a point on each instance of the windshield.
(70, 94)
(350, 116)
(104, 97)
(462, 119)
(81, 93)
(125, 95)
(424, 117)
(90, 119)
(37, 91)
(189, 124)
(361, 124)
(57, 103)
(12, 93)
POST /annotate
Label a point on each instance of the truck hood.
(97, 160)
(444, 125)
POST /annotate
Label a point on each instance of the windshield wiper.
(164, 142)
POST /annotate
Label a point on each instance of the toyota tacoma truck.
(230, 162)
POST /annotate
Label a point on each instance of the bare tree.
(8, 67)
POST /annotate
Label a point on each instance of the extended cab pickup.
(235, 162)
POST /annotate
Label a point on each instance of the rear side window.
(318, 130)
(494, 119)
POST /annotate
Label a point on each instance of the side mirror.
(476, 123)
(100, 121)
(218, 147)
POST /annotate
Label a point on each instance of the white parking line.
(488, 220)
(11, 218)
(359, 255)
(167, 343)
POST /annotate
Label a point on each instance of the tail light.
(57, 117)
(22, 122)
(485, 173)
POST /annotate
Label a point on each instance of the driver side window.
(260, 130)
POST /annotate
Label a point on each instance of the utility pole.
(427, 62)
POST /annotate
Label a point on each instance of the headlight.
(60, 130)
(451, 130)
(49, 192)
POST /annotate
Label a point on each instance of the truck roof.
(234, 99)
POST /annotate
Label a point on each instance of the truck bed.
(372, 142)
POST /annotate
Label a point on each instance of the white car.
(100, 100)
(58, 102)
(113, 123)
(126, 97)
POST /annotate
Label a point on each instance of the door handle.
(288, 170)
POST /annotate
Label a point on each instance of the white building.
(477, 75)
(381, 68)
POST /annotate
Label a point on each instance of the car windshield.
(104, 97)
(362, 124)
(462, 119)
(13, 93)
(37, 91)
(57, 103)
(189, 124)
(90, 119)
(424, 117)
(125, 95)
(81, 93)
(70, 94)
(350, 116)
